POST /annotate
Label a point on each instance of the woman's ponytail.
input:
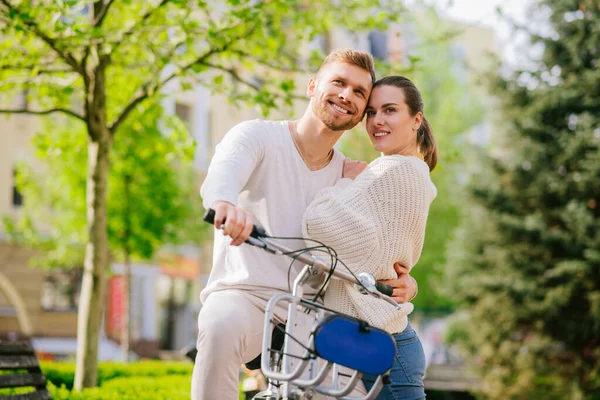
(427, 144)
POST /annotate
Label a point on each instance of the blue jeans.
(406, 377)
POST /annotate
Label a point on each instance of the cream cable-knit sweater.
(372, 222)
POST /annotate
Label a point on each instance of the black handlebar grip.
(209, 216)
(257, 231)
(384, 288)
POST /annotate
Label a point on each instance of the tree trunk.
(93, 284)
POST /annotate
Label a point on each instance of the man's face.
(339, 95)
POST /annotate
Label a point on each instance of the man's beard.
(320, 110)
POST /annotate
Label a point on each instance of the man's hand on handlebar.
(405, 287)
(238, 222)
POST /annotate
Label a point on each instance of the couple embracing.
(287, 176)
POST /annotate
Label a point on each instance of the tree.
(526, 260)
(75, 57)
(151, 200)
(452, 108)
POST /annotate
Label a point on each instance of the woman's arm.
(376, 219)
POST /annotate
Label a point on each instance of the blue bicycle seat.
(354, 344)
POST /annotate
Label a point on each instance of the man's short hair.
(359, 58)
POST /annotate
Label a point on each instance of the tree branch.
(235, 75)
(140, 96)
(33, 27)
(272, 65)
(133, 28)
(43, 112)
(148, 88)
(38, 71)
(99, 19)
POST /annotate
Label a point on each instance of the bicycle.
(335, 343)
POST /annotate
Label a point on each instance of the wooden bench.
(17, 358)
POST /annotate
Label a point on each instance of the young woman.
(379, 218)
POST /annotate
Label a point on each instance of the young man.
(268, 172)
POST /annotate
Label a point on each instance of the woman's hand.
(353, 168)
(405, 287)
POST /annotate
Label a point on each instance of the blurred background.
(111, 111)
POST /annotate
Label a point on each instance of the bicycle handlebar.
(384, 288)
(258, 232)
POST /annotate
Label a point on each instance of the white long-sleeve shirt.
(373, 222)
(257, 167)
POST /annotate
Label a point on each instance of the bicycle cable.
(331, 252)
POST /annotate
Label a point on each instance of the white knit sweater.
(372, 222)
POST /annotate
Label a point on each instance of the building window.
(378, 44)
(24, 98)
(184, 112)
(322, 42)
(17, 197)
(60, 290)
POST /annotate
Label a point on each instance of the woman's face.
(391, 128)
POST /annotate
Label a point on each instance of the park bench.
(20, 368)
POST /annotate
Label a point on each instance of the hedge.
(64, 373)
(175, 387)
(134, 381)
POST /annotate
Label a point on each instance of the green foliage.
(152, 196)
(152, 190)
(525, 261)
(63, 374)
(161, 388)
(452, 108)
(224, 45)
(140, 380)
(356, 145)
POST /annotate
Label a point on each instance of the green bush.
(130, 388)
(64, 373)
(137, 381)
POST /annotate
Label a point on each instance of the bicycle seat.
(277, 337)
(353, 343)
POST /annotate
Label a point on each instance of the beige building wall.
(16, 132)
(28, 283)
(224, 116)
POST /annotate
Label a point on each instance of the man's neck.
(316, 139)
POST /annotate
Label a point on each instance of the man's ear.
(312, 87)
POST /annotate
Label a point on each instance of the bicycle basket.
(354, 344)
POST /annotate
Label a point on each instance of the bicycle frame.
(291, 376)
